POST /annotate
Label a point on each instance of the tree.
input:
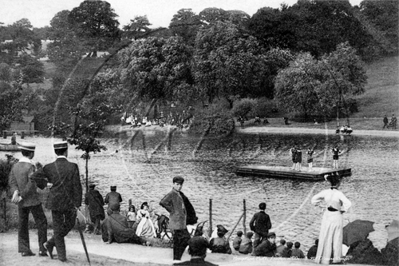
(227, 63)
(137, 28)
(95, 25)
(186, 25)
(65, 50)
(316, 87)
(10, 105)
(156, 68)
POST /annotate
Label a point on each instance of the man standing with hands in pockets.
(64, 198)
(181, 213)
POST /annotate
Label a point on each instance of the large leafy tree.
(95, 24)
(66, 49)
(185, 23)
(137, 28)
(312, 86)
(156, 68)
(227, 63)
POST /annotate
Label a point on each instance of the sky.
(159, 12)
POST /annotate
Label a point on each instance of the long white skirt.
(145, 228)
(330, 238)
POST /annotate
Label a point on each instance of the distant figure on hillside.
(112, 198)
(394, 121)
(385, 121)
(286, 121)
(14, 138)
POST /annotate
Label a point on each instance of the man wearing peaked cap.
(197, 247)
(112, 198)
(64, 198)
(25, 194)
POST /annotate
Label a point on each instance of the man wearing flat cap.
(112, 198)
(197, 247)
(181, 213)
(25, 194)
(64, 198)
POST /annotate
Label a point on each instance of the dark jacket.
(265, 249)
(115, 229)
(174, 204)
(312, 252)
(195, 262)
(220, 245)
(297, 253)
(113, 198)
(19, 180)
(237, 242)
(66, 192)
(260, 223)
(95, 201)
(286, 253)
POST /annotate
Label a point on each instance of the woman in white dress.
(145, 226)
(331, 232)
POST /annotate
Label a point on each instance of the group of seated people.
(344, 130)
(266, 248)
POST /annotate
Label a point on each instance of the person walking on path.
(64, 199)
(331, 232)
(181, 213)
(25, 195)
(95, 202)
(260, 224)
(112, 198)
(385, 120)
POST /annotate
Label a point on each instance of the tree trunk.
(87, 173)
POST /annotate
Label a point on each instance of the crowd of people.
(65, 197)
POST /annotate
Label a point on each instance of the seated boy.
(297, 252)
(267, 248)
(280, 248)
(287, 251)
(237, 241)
(246, 244)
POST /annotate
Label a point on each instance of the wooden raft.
(317, 173)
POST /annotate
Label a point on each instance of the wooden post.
(210, 218)
(244, 218)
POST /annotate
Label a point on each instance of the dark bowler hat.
(178, 179)
(27, 146)
(113, 188)
(221, 229)
(61, 145)
(271, 234)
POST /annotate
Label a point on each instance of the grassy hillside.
(382, 91)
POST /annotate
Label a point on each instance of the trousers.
(63, 222)
(23, 227)
(180, 242)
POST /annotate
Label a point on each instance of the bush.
(244, 108)
(264, 107)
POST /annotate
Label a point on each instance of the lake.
(142, 175)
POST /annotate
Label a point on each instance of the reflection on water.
(372, 188)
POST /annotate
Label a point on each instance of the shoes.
(43, 254)
(63, 259)
(27, 254)
(49, 248)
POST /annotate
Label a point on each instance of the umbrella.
(393, 230)
(357, 231)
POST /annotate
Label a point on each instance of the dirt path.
(301, 130)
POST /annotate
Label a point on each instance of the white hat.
(27, 146)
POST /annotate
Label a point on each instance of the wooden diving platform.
(317, 173)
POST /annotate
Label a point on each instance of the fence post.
(244, 218)
(210, 217)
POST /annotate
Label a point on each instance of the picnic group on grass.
(62, 179)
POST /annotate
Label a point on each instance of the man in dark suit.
(64, 198)
(177, 204)
(260, 224)
(197, 247)
(112, 198)
(25, 194)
